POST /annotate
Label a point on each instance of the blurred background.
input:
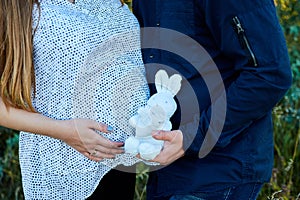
(285, 182)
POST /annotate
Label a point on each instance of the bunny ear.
(174, 84)
(161, 80)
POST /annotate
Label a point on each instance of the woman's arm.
(77, 133)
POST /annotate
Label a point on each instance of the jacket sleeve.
(249, 33)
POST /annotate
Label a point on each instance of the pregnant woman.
(71, 77)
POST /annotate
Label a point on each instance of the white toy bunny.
(154, 116)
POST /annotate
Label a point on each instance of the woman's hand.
(81, 135)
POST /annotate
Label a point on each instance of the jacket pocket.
(239, 29)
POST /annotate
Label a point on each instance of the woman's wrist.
(65, 129)
(36, 123)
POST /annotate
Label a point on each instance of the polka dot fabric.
(88, 65)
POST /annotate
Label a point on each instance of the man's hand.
(173, 146)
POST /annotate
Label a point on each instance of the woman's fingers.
(89, 156)
(105, 148)
(98, 155)
(90, 143)
(109, 144)
(112, 151)
(101, 155)
(101, 127)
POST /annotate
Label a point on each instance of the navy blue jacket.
(245, 41)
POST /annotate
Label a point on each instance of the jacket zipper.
(243, 39)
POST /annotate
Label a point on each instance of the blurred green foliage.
(285, 182)
(10, 176)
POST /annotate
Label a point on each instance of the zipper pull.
(243, 39)
(238, 25)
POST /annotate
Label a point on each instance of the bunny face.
(158, 117)
(165, 101)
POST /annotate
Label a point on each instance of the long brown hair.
(16, 53)
(17, 79)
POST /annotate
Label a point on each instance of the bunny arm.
(167, 126)
(133, 121)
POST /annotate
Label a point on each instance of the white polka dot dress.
(88, 64)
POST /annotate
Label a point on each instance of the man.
(246, 43)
